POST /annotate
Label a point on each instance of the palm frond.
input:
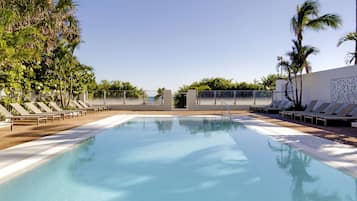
(322, 22)
(310, 7)
(294, 24)
(307, 17)
(348, 37)
(350, 57)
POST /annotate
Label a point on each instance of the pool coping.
(19, 159)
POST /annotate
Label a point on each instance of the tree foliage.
(351, 56)
(116, 88)
(37, 44)
(269, 81)
(294, 66)
(307, 17)
(213, 84)
(220, 84)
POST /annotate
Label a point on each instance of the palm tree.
(307, 17)
(351, 56)
(294, 67)
(68, 28)
(352, 36)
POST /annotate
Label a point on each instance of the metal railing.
(234, 97)
(124, 97)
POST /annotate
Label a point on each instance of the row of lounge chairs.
(319, 112)
(316, 112)
(40, 112)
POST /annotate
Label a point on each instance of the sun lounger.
(21, 118)
(95, 108)
(330, 110)
(59, 109)
(44, 107)
(290, 114)
(347, 114)
(87, 105)
(22, 111)
(300, 114)
(99, 108)
(79, 106)
(282, 106)
(36, 110)
(274, 104)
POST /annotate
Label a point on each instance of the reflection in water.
(296, 165)
(83, 154)
(354, 199)
(355, 189)
(208, 126)
(164, 125)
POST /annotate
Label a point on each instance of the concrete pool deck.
(17, 159)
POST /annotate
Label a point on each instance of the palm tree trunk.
(296, 92)
(61, 94)
(299, 39)
(300, 99)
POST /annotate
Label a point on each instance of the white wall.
(335, 85)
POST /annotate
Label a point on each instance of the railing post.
(235, 97)
(144, 97)
(124, 97)
(197, 97)
(254, 98)
(105, 97)
(215, 97)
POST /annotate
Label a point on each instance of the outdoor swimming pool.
(183, 159)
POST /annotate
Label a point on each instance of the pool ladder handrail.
(228, 111)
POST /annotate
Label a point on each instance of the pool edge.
(332, 154)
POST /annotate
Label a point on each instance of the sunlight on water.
(181, 159)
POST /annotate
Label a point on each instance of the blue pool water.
(181, 159)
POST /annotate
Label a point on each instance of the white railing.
(234, 97)
(124, 97)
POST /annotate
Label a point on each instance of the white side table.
(354, 124)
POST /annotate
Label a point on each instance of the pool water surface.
(181, 159)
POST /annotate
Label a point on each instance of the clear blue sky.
(168, 43)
